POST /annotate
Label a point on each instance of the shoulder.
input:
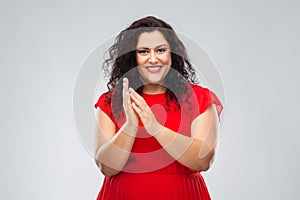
(198, 89)
(204, 98)
(104, 99)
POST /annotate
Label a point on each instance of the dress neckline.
(152, 95)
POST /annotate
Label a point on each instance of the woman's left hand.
(145, 113)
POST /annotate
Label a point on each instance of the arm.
(113, 149)
(195, 152)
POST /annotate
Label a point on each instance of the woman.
(156, 128)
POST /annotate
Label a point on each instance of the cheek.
(167, 60)
(141, 73)
(140, 60)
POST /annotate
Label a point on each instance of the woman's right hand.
(132, 118)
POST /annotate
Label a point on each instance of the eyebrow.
(161, 45)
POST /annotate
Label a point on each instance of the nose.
(152, 57)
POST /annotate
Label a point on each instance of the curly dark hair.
(122, 60)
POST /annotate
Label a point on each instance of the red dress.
(151, 173)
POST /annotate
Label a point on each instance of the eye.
(161, 50)
(143, 52)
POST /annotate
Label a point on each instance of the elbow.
(201, 166)
(108, 172)
(204, 166)
(105, 170)
(205, 163)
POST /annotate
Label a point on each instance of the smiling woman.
(153, 60)
(157, 128)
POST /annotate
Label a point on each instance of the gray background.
(254, 44)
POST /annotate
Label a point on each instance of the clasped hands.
(136, 109)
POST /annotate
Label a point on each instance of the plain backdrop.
(254, 44)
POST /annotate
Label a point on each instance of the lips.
(153, 69)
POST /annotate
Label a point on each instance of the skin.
(113, 149)
(153, 50)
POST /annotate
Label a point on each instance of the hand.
(145, 113)
(132, 118)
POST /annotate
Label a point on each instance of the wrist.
(155, 129)
(129, 129)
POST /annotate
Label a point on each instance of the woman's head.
(125, 57)
(153, 57)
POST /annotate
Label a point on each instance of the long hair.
(122, 61)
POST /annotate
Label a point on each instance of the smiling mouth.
(153, 69)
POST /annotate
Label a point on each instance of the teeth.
(153, 69)
(153, 66)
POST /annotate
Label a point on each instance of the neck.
(153, 89)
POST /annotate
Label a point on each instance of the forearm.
(194, 152)
(113, 154)
(190, 152)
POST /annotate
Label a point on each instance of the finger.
(139, 101)
(144, 117)
(125, 84)
(136, 95)
(136, 108)
(126, 98)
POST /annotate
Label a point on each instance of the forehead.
(151, 39)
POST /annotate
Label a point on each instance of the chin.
(153, 81)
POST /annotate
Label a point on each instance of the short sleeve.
(205, 98)
(104, 103)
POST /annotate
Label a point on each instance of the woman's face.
(153, 57)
